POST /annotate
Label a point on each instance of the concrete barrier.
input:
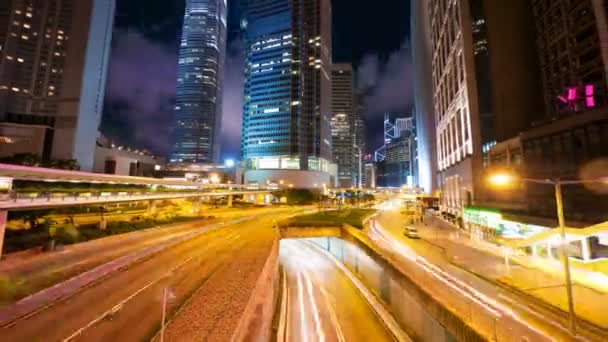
(308, 232)
(255, 323)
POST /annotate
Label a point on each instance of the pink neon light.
(571, 94)
(590, 95)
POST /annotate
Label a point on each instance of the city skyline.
(156, 32)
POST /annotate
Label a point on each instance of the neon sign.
(576, 102)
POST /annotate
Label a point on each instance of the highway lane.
(323, 304)
(42, 270)
(521, 317)
(132, 297)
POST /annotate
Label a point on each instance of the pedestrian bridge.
(10, 199)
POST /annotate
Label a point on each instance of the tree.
(64, 164)
(26, 159)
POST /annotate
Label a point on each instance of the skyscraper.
(286, 131)
(343, 123)
(359, 110)
(486, 88)
(572, 38)
(423, 96)
(198, 106)
(53, 64)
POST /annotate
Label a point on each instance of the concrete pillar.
(3, 219)
(549, 252)
(229, 201)
(586, 249)
(152, 207)
(103, 223)
(534, 251)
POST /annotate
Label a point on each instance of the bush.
(352, 217)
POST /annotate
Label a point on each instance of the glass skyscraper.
(198, 105)
(287, 104)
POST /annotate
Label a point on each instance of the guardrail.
(42, 200)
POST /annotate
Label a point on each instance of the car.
(411, 232)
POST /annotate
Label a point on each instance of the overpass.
(12, 199)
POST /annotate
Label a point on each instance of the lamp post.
(506, 179)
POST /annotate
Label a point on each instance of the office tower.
(572, 40)
(485, 84)
(286, 131)
(198, 104)
(359, 111)
(53, 64)
(343, 129)
(423, 96)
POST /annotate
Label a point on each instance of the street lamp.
(504, 179)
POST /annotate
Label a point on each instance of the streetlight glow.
(502, 179)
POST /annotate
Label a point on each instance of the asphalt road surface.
(127, 305)
(323, 304)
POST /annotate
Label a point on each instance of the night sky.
(143, 66)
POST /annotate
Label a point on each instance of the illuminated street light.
(291, 185)
(502, 179)
(506, 179)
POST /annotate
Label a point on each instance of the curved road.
(322, 303)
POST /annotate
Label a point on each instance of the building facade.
(571, 148)
(343, 129)
(485, 84)
(397, 168)
(53, 65)
(362, 157)
(122, 160)
(200, 72)
(287, 105)
(572, 38)
(423, 96)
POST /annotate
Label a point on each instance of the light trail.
(378, 235)
(317, 318)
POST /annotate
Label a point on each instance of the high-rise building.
(485, 84)
(286, 131)
(198, 103)
(343, 129)
(53, 64)
(359, 110)
(397, 168)
(423, 96)
(572, 40)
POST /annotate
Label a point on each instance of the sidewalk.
(523, 273)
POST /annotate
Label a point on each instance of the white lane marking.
(333, 315)
(231, 237)
(303, 325)
(283, 334)
(313, 302)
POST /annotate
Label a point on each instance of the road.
(323, 304)
(522, 316)
(42, 270)
(127, 305)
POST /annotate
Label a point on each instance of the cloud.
(233, 100)
(387, 84)
(140, 92)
